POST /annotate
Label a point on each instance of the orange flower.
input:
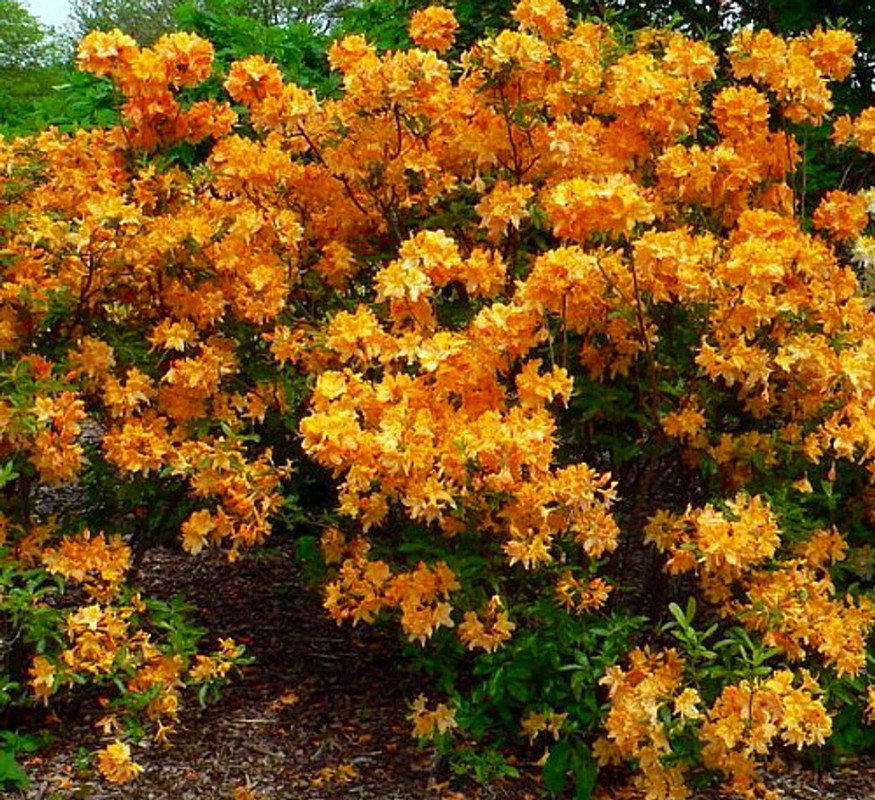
(351, 52)
(105, 53)
(685, 423)
(196, 531)
(580, 207)
(96, 562)
(740, 112)
(43, 678)
(434, 28)
(115, 763)
(504, 206)
(860, 132)
(189, 58)
(253, 79)
(92, 357)
(547, 17)
(427, 724)
(579, 597)
(490, 632)
(842, 215)
(832, 52)
(536, 722)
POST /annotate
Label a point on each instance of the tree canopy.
(22, 38)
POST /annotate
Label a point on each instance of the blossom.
(860, 131)
(536, 722)
(546, 17)
(579, 207)
(189, 57)
(196, 531)
(351, 52)
(832, 51)
(253, 79)
(426, 723)
(488, 632)
(579, 596)
(43, 678)
(685, 423)
(504, 206)
(740, 111)
(841, 214)
(115, 763)
(97, 562)
(103, 53)
(433, 27)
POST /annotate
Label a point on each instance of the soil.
(319, 715)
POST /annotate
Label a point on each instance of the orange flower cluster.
(206, 668)
(580, 207)
(363, 588)
(842, 215)
(427, 724)
(642, 697)
(96, 563)
(488, 632)
(49, 431)
(104, 640)
(431, 444)
(748, 717)
(796, 609)
(115, 763)
(503, 207)
(547, 18)
(579, 596)
(792, 602)
(798, 70)
(434, 28)
(148, 78)
(649, 707)
(539, 722)
(859, 132)
(720, 545)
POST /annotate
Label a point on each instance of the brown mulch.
(320, 715)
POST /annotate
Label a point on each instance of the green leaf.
(8, 473)
(11, 773)
(518, 691)
(586, 771)
(555, 773)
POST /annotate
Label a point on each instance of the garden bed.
(319, 714)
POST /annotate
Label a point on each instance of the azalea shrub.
(539, 335)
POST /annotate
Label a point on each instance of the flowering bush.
(550, 316)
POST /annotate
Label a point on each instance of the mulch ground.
(319, 715)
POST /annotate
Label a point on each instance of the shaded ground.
(321, 714)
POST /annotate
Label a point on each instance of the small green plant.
(12, 746)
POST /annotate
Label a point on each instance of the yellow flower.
(115, 763)
(196, 531)
(686, 704)
(43, 677)
(685, 423)
(580, 207)
(431, 723)
(489, 633)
